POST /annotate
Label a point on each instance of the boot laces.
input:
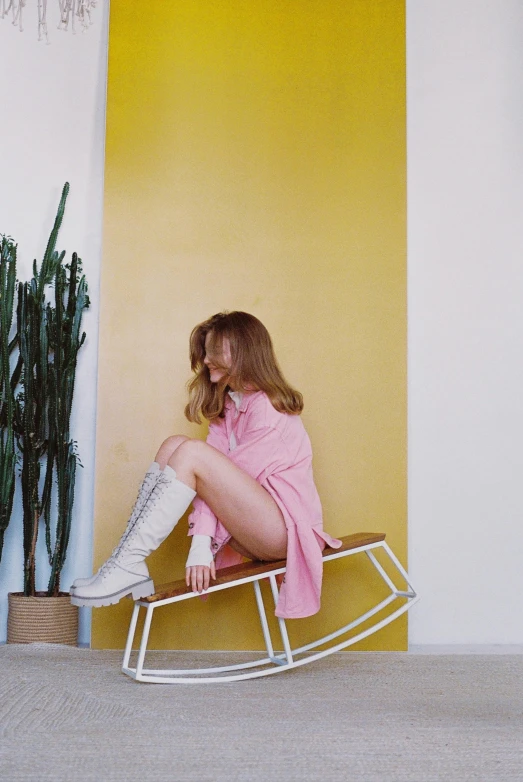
(152, 497)
(107, 567)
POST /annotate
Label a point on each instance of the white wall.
(465, 172)
(465, 180)
(53, 126)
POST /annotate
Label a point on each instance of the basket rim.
(41, 595)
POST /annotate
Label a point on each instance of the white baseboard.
(465, 648)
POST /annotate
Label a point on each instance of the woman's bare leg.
(167, 448)
(240, 549)
(245, 508)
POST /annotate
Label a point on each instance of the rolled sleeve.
(202, 520)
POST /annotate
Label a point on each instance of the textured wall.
(255, 160)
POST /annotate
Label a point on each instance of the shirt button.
(191, 525)
(215, 545)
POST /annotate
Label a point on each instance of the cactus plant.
(7, 401)
(65, 340)
(48, 339)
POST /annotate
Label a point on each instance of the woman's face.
(211, 359)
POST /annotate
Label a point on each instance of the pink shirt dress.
(275, 450)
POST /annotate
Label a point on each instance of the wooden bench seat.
(247, 569)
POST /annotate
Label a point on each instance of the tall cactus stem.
(7, 400)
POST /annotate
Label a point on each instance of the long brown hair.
(253, 366)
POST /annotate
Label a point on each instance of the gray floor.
(69, 714)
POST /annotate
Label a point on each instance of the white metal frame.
(274, 662)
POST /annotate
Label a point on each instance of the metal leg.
(145, 639)
(130, 636)
(263, 619)
(385, 577)
(382, 573)
(400, 567)
(281, 623)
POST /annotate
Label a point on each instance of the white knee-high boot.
(148, 484)
(125, 572)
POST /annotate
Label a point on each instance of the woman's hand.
(198, 577)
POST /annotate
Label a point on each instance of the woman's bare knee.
(187, 454)
(191, 459)
(168, 448)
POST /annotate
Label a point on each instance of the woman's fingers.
(198, 577)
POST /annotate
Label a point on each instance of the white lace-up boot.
(125, 572)
(148, 484)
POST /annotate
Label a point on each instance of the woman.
(251, 481)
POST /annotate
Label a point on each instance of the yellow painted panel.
(256, 161)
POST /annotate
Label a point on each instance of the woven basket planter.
(42, 619)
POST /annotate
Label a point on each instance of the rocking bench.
(274, 662)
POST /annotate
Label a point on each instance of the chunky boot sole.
(142, 589)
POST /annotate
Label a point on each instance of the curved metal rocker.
(253, 572)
